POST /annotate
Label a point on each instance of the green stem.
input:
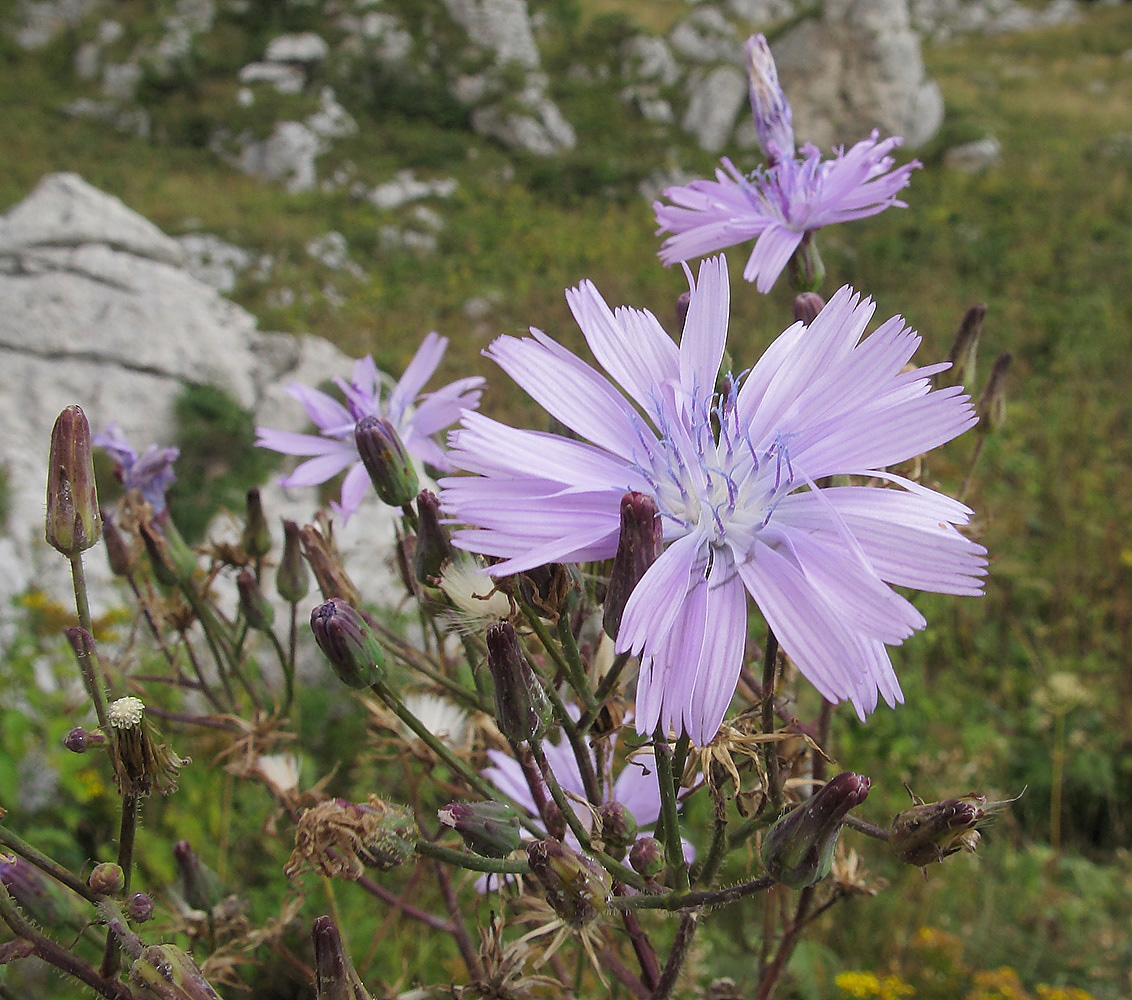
(46, 865)
(473, 862)
(692, 900)
(604, 689)
(88, 666)
(673, 847)
(288, 667)
(578, 676)
(770, 751)
(680, 948)
(111, 956)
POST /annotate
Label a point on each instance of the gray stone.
(857, 68)
(713, 103)
(88, 58)
(135, 121)
(973, 157)
(120, 80)
(707, 36)
(99, 311)
(331, 120)
(762, 12)
(304, 48)
(331, 250)
(287, 155)
(38, 22)
(502, 27)
(214, 261)
(645, 57)
(284, 78)
(405, 187)
(942, 20)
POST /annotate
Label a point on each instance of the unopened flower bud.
(107, 879)
(647, 856)
(618, 827)
(172, 559)
(119, 552)
(965, 348)
(30, 888)
(80, 740)
(521, 707)
(335, 977)
(341, 839)
(166, 972)
(931, 831)
(74, 522)
(638, 546)
(256, 537)
(255, 608)
(683, 303)
(991, 407)
(433, 550)
(577, 887)
(326, 564)
(807, 305)
(348, 643)
(490, 829)
(141, 761)
(798, 849)
(773, 118)
(140, 907)
(806, 268)
(388, 463)
(292, 580)
(200, 885)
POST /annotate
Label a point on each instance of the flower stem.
(88, 664)
(473, 862)
(770, 751)
(45, 864)
(692, 900)
(676, 957)
(111, 956)
(673, 847)
(604, 689)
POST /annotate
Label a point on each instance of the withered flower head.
(341, 839)
(932, 831)
(142, 761)
(326, 563)
(577, 887)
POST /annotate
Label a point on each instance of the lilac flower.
(735, 476)
(151, 473)
(779, 204)
(415, 417)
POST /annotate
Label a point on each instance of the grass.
(1045, 238)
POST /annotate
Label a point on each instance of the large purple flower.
(778, 204)
(150, 473)
(735, 475)
(416, 418)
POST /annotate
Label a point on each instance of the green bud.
(107, 879)
(806, 268)
(256, 537)
(292, 580)
(965, 348)
(521, 707)
(348, 643)
(173, 561)
(166, 972)
(577, 887)
(798, 849)
(388, 463)
(617, 826)
(335, 977)
(647, 857)
(255, 608)
(991, 406)
(74, 522)
(490, 829)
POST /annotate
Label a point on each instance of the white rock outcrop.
(100, 311)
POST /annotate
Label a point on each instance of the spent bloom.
(735, 477)
(795, 194)
(150, 473)
(414, 416)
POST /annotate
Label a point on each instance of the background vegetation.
(1028, 688)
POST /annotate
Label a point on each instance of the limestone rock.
(707, 36)
(502, 27)
(714, 102)
(304, 48)
(287, 155)
(99, 311)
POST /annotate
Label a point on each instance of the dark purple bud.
(521, 707)
(348, 643)
(577, 887)
(647, 857)
(80, 740)
(433, 549)
(807, 305)
(640, 543)
(487, 828)
(140, 907)
(292, 580)
(30, 888)
(255, 608)
(965, 348)
(107, 879)
(256, 537)
(798, 849)
(617, 826)
(334, 975)
(73, 522)
(388, 463)
(991, 407)
(200, 885)
(119, 552)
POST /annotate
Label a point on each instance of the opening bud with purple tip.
(798, 849)
(638, 546)
(74, 522)
(490, 829)
(389, 465)
(348, 643)
(773, 117)
(521, 707)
